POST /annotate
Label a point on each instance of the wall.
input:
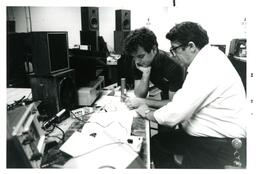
(50, 19)
(69, 19)
(58, 19)
(222, 21)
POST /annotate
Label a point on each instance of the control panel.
(25, 138)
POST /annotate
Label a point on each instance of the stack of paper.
(102, 142)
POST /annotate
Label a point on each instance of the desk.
(54, 157)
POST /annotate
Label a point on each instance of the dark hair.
(188, 31)
(140, 37)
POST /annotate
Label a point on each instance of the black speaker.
(124, 70)
(90, 38)
(11, 26)
(56, 91)
(18, 54)
(119, 37)
(90, 18)
(49, 52)
(84, 66)
(123, 20)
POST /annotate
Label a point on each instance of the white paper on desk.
(112, 104)
(81, 144)
(90, 128)
(117, 132)
(115, 156)
(108, 120)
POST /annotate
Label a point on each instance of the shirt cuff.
(158, 115)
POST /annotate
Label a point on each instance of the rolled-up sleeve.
(191, 98)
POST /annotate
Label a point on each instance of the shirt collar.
(201, 54)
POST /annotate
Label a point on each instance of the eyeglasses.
(174, 49)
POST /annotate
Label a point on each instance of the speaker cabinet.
(90, 38)
(57, 91)
(90, 18)
(84, 66)
(119, 37)
(18, 54)
(49, 52)
(125, 70)
(11, 26)
(123, 20)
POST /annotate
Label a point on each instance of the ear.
(192, 46)
(154, 49)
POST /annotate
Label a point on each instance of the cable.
(54, 136)
(55, 126)
(49, 131)
(63, 133)
(85, 121)
(117, 142)
(21, 102)
(106, 166)
(29, 95)
(97, 122)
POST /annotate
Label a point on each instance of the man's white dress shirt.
(211, 101)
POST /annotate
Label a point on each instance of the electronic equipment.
(237, 55)
(56, 91)
(25, 138)
(135, 142)
(90, 28)
(49, 52)
(238, 48)
(18, 55)
(123, 89)
(123, 27)
(84, 66)
(52, 120)
(119, 37)
(11, 26)
(82, 111)
(221, 47)
(90, 18)
(123, 20)
(87, 95)
(124, 70)
(90, 38)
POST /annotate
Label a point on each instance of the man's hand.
(144, 70)
(143, 110)
(133, 103)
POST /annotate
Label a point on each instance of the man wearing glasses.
(151, 64)
(210, 106)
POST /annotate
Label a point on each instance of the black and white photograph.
(166, 86)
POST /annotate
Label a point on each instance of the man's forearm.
(142, 86)
(156, 103)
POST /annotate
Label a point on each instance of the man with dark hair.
(151, 64)
(210, 106)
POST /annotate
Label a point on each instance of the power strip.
(82, 111)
